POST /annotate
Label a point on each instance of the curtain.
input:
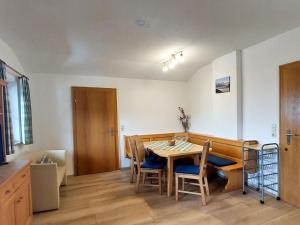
(26, 114)
(7, 115)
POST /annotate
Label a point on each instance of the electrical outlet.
(274, 130)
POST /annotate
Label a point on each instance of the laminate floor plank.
(110, 199)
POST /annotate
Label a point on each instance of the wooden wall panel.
(232, 149)
(227, 148)
(198, 139)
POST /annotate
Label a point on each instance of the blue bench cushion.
(219, 161)
(152, 165)
(151, 158)
(188, 169)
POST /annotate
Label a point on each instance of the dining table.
(181, 149)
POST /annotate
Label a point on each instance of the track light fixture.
(173, 61)
(165, 68)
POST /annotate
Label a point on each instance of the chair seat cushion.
(152, 165)
(187, 169)
(219, 161)
(151, 158)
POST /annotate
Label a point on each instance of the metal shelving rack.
(261, 169)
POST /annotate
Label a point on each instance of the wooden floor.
(109, 198)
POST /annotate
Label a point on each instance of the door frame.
(280, 116)
(73, 98)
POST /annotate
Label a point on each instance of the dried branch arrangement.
(184, 119)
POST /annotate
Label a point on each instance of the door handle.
(111, 131)
(288, 135)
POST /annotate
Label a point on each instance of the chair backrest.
(139, 151)
(204, 158)
(181, 136)
(132, 146)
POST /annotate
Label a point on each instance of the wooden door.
(290, 132)
(95, 130)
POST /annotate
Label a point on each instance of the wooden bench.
(221, 147)
(227, 149)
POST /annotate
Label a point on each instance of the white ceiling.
(100, 37)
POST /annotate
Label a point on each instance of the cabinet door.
(23, 205)
(7, 216)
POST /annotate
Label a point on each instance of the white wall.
(259, 90)
(226, 106)
(211, 113)
(144, 106)
(200, 101)
(7, 55)
(261, 83)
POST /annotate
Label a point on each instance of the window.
(14, 100)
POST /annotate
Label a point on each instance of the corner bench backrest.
(230, 149)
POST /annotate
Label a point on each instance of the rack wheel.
(244, 192)
(262, 202)
(278, 198)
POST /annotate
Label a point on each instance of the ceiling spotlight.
(171, 64)
(173, 61)
(181, 58)
(165, 68)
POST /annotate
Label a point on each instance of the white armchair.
(47, 178)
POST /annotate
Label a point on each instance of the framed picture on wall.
(223, 85)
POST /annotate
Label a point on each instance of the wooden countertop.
(11, 169)
(258, 147)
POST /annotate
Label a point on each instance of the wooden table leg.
(132, 170)
(170, 176)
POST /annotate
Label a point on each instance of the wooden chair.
(181, 136)
(133, 163)
(195, 173)
(145, 167)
